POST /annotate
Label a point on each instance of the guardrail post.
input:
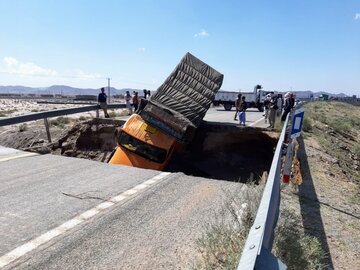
(47, 129)
(97, 119)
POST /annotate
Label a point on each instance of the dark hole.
(227, 152)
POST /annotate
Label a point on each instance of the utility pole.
(108, 90)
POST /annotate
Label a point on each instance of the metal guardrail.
(45, 115)
(54, 113)
(257, 250)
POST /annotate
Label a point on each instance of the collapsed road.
(64, 213)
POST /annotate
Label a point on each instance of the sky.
(283, 45)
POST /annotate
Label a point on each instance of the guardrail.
(45, 115)
(257, 250)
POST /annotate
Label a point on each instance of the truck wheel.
(227, 107)
(261, 108)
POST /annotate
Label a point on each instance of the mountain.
(73, 91)
(62, 90)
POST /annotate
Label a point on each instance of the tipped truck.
(163, 124)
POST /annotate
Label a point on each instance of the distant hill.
(73, 91)
(307, 94)
(317, 94)
(62, 90)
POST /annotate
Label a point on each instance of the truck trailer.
(167, 121)
(253, 99)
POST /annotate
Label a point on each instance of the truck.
(253, 99)
(167, 121)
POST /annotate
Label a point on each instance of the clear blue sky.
(288, 44)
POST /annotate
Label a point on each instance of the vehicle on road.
(253, 99)
(168, 120)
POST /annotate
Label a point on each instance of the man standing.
(237, 106)
(242, 110)
(128, 102)
(273, 109)
(289, 104)
(267, 107)
(102, 102)
(135, 101)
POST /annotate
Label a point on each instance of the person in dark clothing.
(288, 105)
(135, 101)
(237, 105)
(102, 102)
(145, 93)
(273, 109)
(242, 110)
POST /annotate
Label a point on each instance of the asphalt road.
(218, 114)
(65, 213)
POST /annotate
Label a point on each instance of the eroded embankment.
(220, 151)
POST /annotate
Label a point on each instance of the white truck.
(253, 99)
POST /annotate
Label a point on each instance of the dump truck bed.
(184, 97)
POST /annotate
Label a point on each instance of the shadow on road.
(310, 205)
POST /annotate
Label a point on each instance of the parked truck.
(168, 120)
(253, 99)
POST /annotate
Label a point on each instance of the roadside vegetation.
(5, 113)
(327, 202)
(222, 243)
(336, 126)
(60, 121)
(295, 248)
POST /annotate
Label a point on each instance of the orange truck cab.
(169, 119)
(142, 145)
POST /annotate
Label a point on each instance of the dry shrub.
(223, 241)
(294, 248)
(60, 121)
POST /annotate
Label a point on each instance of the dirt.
(325, 189)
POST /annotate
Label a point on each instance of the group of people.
(131, 101)
(241, 106)
(274, 104)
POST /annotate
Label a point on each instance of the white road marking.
(66, 226)
(25, 154)
(257, 121)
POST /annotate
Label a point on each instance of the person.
(267, 107)
(237, 105)
(102, 102)
(135, 101)
(148, 94)
(273, 109)
(145, 93)
(279, 104)
(288, 105)
(242, 110)
(128, 102)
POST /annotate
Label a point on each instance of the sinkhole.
(218, 151)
